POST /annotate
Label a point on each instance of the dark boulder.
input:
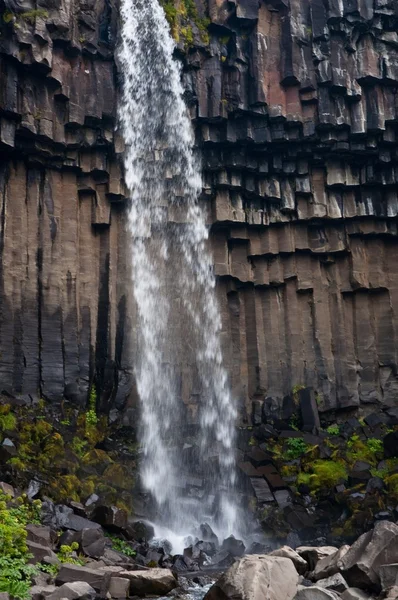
(111, 517)
(233, 546)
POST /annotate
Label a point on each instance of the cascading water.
(178, 319)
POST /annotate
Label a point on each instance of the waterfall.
(178, 321)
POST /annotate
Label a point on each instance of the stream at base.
(178, 321)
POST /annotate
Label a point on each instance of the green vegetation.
(8, 421)
(67, 554)
(323, 474)
(15, 572)
(181, 18)
(296, 447)
(121, 546)
(333, 429)
(91, 414)
(295, 392)
(369, 451)
(30, 16)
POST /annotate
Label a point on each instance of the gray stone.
(7, 489)
(156, 582)
(39, 553)
(119, 587)
(275, 579)
(73, 591)
(4, 596)
(313, 554)
(41, 534)
(261, 490)
(336, 582)
(316, 593)
(92, 542)
(98, 579)
(37, 592)
(330, 564)
(388, 575)
(299, 562)
(355, 594)
(233, 546)
(360, 565)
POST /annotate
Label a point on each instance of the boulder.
(92, 542)
(38, 592)
(157, 582)
(119, 587)
(41, 534)
(336, 582)
(355, 594)
(313, 554)
(140, 531)
(392, 593)
(330, 564)
(257, 577)
(299, 562)
(73, 591)
(388, 575)
(39, 553)
(111, 517)
(7, 489)
(206, 534)
(360, 565)
(98, 579)
(4, 596)
(233, 546)
(390, 444)
(223, 559)
(316, 593)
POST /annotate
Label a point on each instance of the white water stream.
(178, 318)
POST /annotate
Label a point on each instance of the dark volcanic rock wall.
(295, 104)
(63, 243)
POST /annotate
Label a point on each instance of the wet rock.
(207, 534)
(110, 517)
(375, 484)
(140, 531)
(299, 562)
(309, 410)
(329, 565)
(223, 559)
(261, 489)
(360, 565)
(233, 546)
(258, 548)
(97, 579)
(182, 563)
(390, 445)
(33, 489)
(276, 579)
(157, 582)
(73, 591)
(336, 582)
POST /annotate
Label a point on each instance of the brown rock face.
(295, 108)
(63, 243)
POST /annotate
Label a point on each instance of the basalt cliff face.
(295, 108)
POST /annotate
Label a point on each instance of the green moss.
(296, 392)
(369, 451)
(31, 15)
(8, 421)
(181, 18)
(323, 474)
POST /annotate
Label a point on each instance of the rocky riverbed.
(53, 551)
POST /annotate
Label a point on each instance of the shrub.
(121, 546)
(296, 448)
(333, 429)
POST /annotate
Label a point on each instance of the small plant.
(91, 414)
(8, 421)
(49, 569)
(252, 441)
(31, 15)
(65, 422)
(15, 576)
(333, 429)
(296, 448)
(67, 554)
(121, 546)
(294, 422)
(295, 392)
(375, 445)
